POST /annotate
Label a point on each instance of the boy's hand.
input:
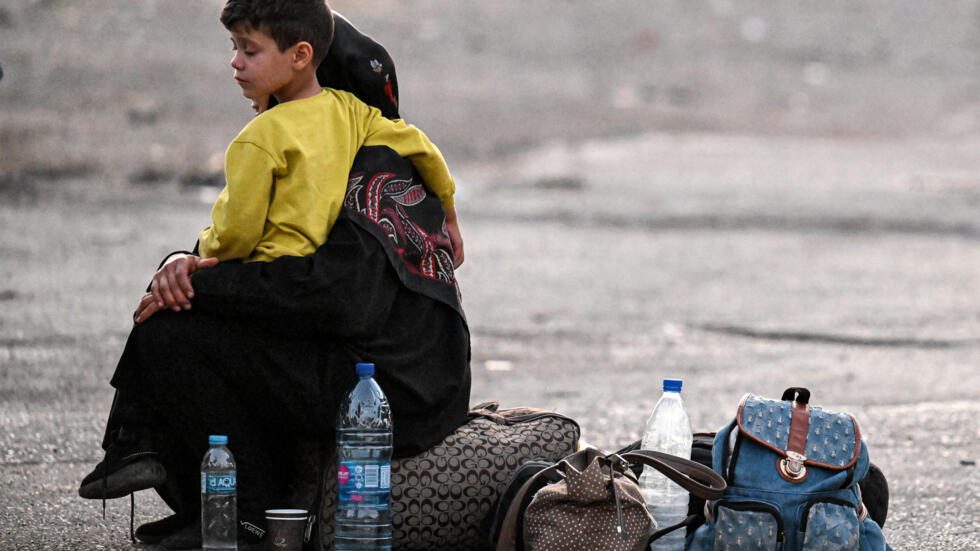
(455, 237)
(171, 285)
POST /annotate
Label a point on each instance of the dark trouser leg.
(127, 407)
(189, 375)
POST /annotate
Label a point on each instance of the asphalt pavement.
(594, 269)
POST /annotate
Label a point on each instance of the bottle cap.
(673, 385)
(365, 370)
(217, 439)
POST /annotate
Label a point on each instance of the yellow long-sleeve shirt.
(286, 175)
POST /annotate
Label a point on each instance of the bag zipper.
(526, 417)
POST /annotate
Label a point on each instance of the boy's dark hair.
(287, 22)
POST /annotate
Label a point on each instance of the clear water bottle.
(363, 518)
(219, 507)
(668, 430)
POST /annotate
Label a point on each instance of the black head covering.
(356, 63)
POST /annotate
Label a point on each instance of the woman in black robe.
(267, 351)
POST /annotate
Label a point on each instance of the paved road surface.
(593, 270)
(848, 263)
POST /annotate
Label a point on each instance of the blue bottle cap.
(217, 439)
(673, 385)
(365, 370)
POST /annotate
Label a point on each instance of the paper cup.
(285, 529)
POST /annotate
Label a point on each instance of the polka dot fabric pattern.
(440, 497)
(579, 512)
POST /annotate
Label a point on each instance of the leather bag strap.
(507, 541)
(694, 477)
(691, 519)
(580, 460)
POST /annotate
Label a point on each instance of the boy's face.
(260, 68)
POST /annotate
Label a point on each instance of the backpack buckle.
(793, 467)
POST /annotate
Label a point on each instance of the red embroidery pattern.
(387, 201)
(390, 92)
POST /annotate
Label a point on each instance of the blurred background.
(747, 195)
(120, 87)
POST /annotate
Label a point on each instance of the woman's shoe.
(128, 466)
(158, 530)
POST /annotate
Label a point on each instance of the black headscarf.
(361, 66)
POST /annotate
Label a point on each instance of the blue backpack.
(792, 472)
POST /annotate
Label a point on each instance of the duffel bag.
(440, 497)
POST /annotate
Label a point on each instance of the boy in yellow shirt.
(287, 175)
(286, 172)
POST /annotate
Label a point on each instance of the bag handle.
(691, 519)
(509, 533)
(507, 540)
(694, 477)
(796, 394)
(487, 410)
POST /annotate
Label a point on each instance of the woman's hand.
(171, 285)
(455, 237)
(146, 308)
(260, 104)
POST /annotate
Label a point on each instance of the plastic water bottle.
(219, 503)
(668, 430)
(363, 518)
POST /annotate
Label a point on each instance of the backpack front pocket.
(830, 524)
(748, 526)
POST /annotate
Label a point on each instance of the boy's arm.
(411, 143)
(414, 145)
(238, 216)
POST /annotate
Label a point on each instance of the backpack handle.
(797, 394)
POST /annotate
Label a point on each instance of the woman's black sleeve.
(343, 288)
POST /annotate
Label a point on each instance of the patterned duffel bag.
(440, 497)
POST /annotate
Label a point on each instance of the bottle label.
(218, 483)
(359, 480)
